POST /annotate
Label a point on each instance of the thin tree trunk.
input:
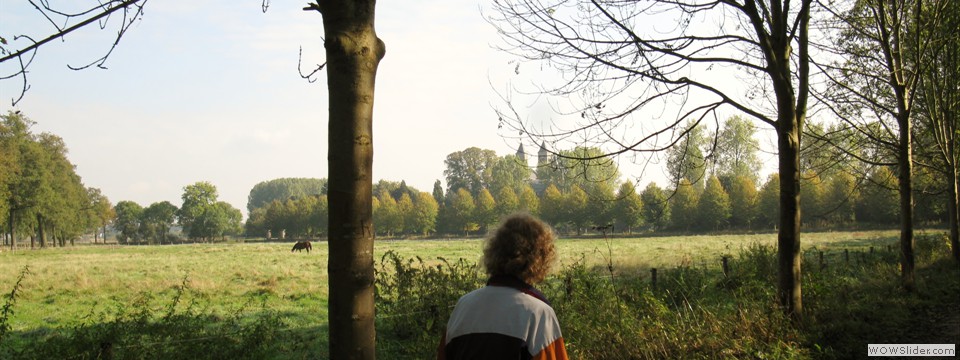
(954, 220)
(13, 233)
(353, 54)
(40, 233)
(791, 114)
(905, 175)
(788, 236)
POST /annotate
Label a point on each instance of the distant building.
(521, 154)
(543, 156)
(544, 162)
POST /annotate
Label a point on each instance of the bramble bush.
(414, 300)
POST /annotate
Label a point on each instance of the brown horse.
(302, 245)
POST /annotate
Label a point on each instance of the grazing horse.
(602, 228)
(302, 245)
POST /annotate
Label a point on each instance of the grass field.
(67, 286)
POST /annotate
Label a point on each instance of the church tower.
(522, 155)
(543, 156)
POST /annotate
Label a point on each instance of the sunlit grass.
(66, 282)
(68, 285)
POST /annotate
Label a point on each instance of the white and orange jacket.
(507, 319)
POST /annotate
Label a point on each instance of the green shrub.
(414, 300)
(692, 313)
(11, 299)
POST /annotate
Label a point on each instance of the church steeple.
(521, 154)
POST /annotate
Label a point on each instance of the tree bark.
(353, 53)
(954, 220)
(13, 233)
(791, 114)
(905, 175)
(788, 236)
(40, 233)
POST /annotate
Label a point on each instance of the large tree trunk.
(353, 54)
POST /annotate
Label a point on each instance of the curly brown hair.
(522, 247)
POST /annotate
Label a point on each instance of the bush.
(414, 300)
(694, 313)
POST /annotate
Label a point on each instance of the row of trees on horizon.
(482, 187)
(41, 195)
(42, 198)
(714, 185)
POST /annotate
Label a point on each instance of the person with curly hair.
(508, 318)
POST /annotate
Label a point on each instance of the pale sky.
(209, 91)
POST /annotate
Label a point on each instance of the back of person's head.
(522, 247)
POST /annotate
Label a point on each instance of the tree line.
(201, 217)
(42, 198)
(41, 195)
(714, 186)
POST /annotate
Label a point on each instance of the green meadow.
(68, 289)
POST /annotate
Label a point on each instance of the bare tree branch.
(309, 77)
(132, 11)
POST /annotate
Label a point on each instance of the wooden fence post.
(106, 350)
(653, 277)
(846, 255)
(726, 266)
(822, 264)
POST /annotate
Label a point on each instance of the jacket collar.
(514, 282)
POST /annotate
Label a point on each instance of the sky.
(210, 91)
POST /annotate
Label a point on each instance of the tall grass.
(186, 327)
(696, 312)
